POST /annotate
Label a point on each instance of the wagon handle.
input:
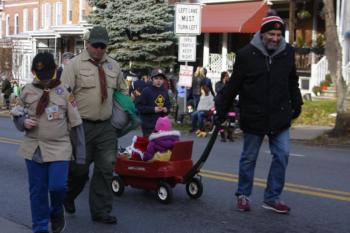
(199, 164)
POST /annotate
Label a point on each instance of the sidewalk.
(4, 113)
(306, 132)
(12, 227)
(297, 132)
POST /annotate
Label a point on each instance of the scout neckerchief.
(102, 78)
(45, 97)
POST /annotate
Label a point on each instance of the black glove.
(296, 112)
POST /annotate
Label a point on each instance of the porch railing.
(318, 71)
(305, 57)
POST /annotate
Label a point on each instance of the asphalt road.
(317, 189)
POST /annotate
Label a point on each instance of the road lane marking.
(308, 190)
(259, 180)
(10, 140)
(303, 189)
(290, 154)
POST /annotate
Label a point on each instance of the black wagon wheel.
(118, 185)
(164, 193)
(194, 188)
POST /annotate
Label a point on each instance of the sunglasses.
(99, 45)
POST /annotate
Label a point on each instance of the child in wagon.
(161, 141)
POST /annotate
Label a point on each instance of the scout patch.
(52, 112)
(59, 90)
(72, 101)
(110, 66)
(160, 101)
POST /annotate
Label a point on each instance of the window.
(42, 15)
(58, 20)
(7, 25)
(82, 10)
(47, 15)
(35, 19)
(25, 20)
(69, 11)
(16, 25)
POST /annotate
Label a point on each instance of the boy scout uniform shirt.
(52, 131)
(83, 78)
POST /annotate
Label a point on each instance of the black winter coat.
(268, 89)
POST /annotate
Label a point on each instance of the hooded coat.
(268, 88)
(160, 142)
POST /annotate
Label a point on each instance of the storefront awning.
(244, 17)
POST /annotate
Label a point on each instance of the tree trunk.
(291, 23)
(334, 57)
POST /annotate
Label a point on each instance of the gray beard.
(269, 46)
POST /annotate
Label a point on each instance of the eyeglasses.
(98, 45)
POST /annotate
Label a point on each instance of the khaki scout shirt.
(52, 132)
(82, 77)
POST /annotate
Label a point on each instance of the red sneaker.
(277, 206)
(243, 203)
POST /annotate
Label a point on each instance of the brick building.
(31, 26)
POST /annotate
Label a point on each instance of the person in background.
(196, 85)
(225, 77)
(66, 58)
(180, 103)
(48, 114)
(206, 103)
(16, 90)
(6, 89)
(265, 78)
(154, 102)
(207, 81)
(93, 76)
(136, 88)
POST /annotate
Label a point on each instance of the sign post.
(187, 48)
(188, 19)
(187, 27)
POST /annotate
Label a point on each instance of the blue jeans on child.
(279, 147)
(44, 178)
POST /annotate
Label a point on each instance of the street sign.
(187, 48)
(188, 19)
(185, 76)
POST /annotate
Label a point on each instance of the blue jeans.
(44, 178)
(198, 119)
(279, 147)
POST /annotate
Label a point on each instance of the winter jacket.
(218, 86)
(6, 88)
(268, 88)
(161, 142)
(150, 98)
(207, 82)
(196, 85)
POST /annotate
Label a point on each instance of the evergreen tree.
(140, 31)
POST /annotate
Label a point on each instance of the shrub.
(317, 90)
(328, 79)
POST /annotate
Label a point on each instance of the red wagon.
(158, 175)
(164, 175)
